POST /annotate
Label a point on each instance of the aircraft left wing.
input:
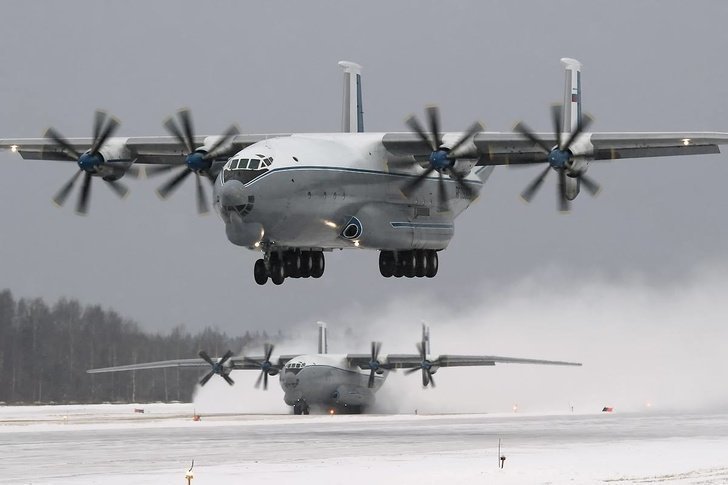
(493, 148)
(411, 361)
(233, 363)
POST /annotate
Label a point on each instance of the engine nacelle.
(116, 159)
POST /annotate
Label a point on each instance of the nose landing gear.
(292, 263)
(415, 263)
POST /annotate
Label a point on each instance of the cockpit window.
(246, 169)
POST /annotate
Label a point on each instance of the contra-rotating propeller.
(424, 365)
(218, 367)
(198, 160)
(441, 159)
(89, 162)
(558, 158)
(374, 364)
(266, 367)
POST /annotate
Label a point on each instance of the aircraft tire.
(432, 263)
(259, 272)
(409, 263)
(386, 264)
(293, 264)
(277, 272)
(318, 264)
(306, 264)
(420, 262)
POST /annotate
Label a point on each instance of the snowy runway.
(113, 445)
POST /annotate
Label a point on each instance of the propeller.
(558, 158)
(88, 162)
(441, 159)
(266, 367)
(374, 364)
(197, 160)
(425, 366)
(217, 367)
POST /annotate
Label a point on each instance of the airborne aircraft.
(323, 381)
(294, 196)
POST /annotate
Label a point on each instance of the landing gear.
(415, 263)
(293, 263)
(300, 407)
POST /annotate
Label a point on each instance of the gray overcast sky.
(271, 67)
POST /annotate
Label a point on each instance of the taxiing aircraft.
(323, 381)
(294, 196)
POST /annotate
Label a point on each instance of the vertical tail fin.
(352, 113)
(572, 95)
(323, 340)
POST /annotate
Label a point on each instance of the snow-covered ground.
(111, 444)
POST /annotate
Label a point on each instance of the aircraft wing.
(491, 148)
(160, 150)
(236, 363)
(409, 361)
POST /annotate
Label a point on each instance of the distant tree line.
(46, 350)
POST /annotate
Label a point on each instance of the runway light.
(331, 412)
(686, 141)
(13, 148)
(515, 408)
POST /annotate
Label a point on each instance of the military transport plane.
(294, 196)
(323, 381)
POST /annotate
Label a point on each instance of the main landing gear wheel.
(289, 264)
(259, 272)
(417, 263)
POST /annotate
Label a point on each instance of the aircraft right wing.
(411, 361)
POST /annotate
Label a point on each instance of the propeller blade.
(207, 377)
(260, 378)
(525, 131)
(430, 377)
(109, 130)
(557, 123)
(265, 381)
(421, 349)
(410, 186)
(460, 179)
(444, 206)
(203, 355)
(62, 195)
(371, 379)
(268, 351)
(564, 204)
(225, 357)
(202, 205)
(433, 115)
(590, 185)
(135, 172)
(476, 127)
(412, 370)
(425, 380)
(119, 188)
(99, 118)
(534, 186)
(415, 126)
(583, 125)
(228, 379)
(171, 126)
(165, 190)
(186, 120)
(82, 206)
(221, 145)
(59, 140)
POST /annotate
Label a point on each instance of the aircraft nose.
(232, 194)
